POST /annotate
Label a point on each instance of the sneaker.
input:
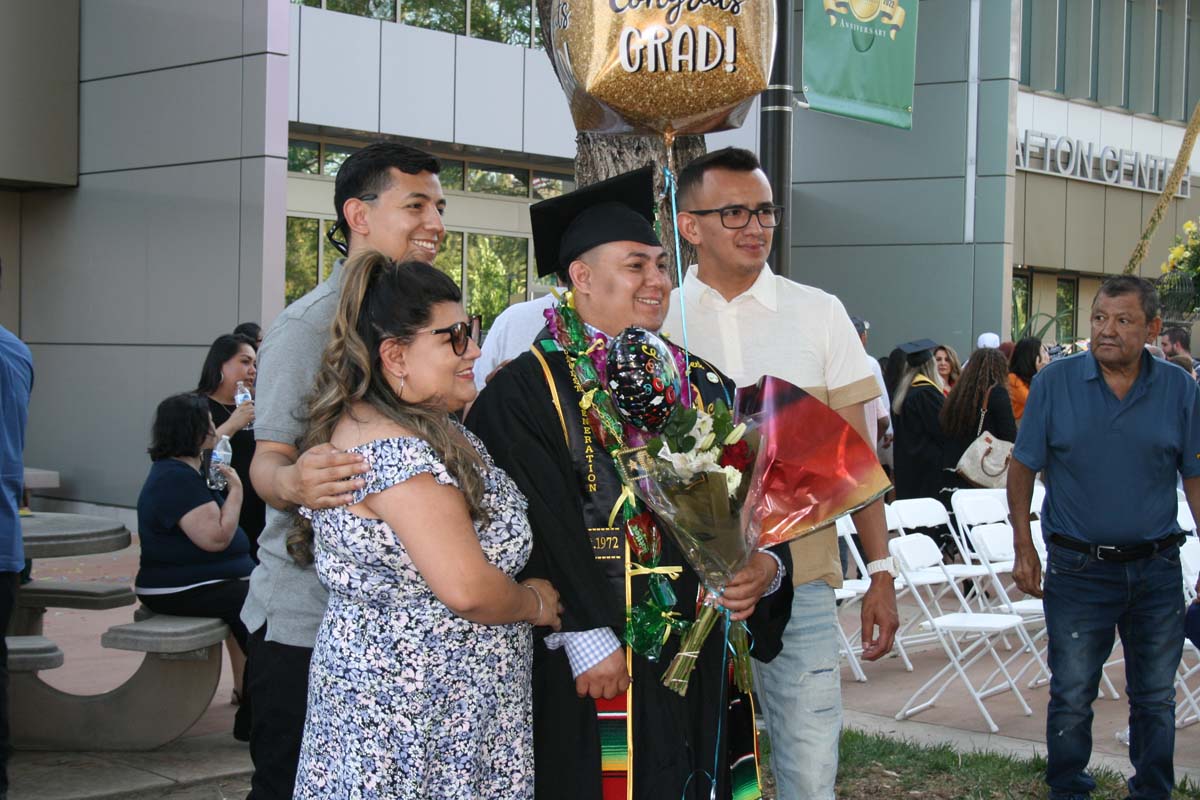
(1123, 736)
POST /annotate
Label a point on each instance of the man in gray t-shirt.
(388, 198)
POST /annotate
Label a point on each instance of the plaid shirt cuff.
(585, 649)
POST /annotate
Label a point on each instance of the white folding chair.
(925, 512)
(852, 591)
(917, 551)
(977, 507)
(1188, 710)
(993, 543)
(1039, 497)
(848, 650)
(893, 519)
(1183, 517)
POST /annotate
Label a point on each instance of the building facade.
(172, 175)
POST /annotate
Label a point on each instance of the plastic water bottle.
(242, 395)
(221, 454)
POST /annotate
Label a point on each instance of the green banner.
(860, 58)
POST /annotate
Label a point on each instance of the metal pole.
(775, 135)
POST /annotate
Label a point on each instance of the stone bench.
(35, 597)
(32, 653)
(171, 689)
(166, 635)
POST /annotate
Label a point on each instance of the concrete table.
(40, 478)
(50, 535)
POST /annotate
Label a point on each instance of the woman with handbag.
(978, 425)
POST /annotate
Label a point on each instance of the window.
(329, 254)
(1020, 306)
(303, 254)
(549, 184)
(437, 15)
(309, 3)
(304, 157)
(376, 9)
(491, 179)
(496, 270)
(505, 21)
(334, 156)
(450, 257)
(1064, 309)
(451, 175)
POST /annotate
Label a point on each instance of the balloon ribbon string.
(723, 709)
(670, 185)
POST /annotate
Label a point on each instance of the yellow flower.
(1189, 226)
(1175, 254)
(1165, 268)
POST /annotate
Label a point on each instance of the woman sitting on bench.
(195, 560)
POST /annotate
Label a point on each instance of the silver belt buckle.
(1102, 548)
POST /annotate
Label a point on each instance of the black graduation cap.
(919, 351)
(619, 209)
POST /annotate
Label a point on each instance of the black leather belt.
(1118, 552)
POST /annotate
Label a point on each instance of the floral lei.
(649, 622)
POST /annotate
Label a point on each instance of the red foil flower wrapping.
(812, 467)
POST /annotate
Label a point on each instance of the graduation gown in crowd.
(529, 418)
(919, 444)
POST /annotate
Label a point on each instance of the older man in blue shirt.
(1110, 434)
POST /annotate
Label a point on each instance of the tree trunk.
(599, 156)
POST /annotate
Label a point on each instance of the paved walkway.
(208, 764)
(872, 706)
(207, 752)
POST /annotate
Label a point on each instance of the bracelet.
(541, 604)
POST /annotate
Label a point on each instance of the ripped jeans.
(1085, 600)
(801, 694)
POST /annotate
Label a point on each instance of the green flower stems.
(680, 671)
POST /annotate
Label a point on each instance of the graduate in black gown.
(599, 707)
(919, 444)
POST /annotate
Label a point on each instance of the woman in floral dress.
(420, 678)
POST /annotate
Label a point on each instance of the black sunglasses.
(331, 231)
(460, 334)
(737, 217)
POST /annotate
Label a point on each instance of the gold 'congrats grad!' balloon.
(662, 66)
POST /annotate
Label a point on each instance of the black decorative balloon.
(643, 379)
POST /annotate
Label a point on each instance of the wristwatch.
(887, 565)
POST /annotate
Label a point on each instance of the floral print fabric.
(405, 699)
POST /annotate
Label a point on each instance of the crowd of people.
(427, 611)
(938, 407)
(416, 559)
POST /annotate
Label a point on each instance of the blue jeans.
(1085, 600)
(801, 694)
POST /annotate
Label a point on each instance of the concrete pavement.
(208, 764)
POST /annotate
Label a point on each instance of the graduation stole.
(922, 380)
(649, 622)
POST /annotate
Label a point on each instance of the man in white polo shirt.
(749, 323)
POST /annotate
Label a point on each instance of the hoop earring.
(400, 389)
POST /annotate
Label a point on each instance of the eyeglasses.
(460, 334)
(737, 217)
